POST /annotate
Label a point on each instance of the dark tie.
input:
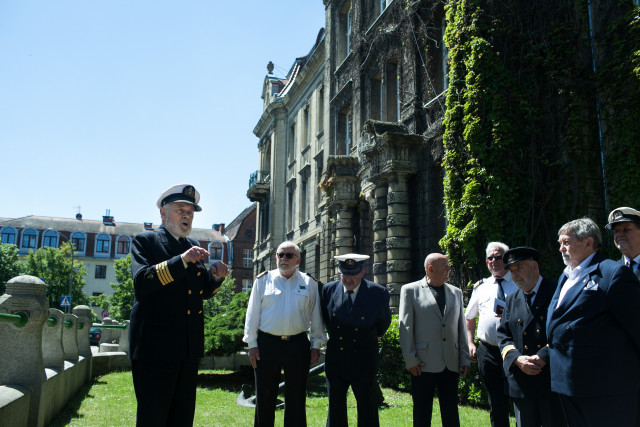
(348, 303)
(529, 297)
(501, 296)
(631, 264)
(183, 242)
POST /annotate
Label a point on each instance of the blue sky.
(105, 104)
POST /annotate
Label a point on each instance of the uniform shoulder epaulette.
(261, 274)
(310, 275)
(478, 283)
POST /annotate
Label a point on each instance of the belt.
(283, 337)
(487, 344)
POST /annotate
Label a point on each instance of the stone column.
(21, 362)
(83, 312)
(344, 230)
(123, 344)
(70, 338)
(398, 237)
(53, 354)
(380, 234)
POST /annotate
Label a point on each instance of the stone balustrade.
(47, 359)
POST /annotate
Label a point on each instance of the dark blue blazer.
(594, 335)
(523, 331)
(353, 336)
(167, 322)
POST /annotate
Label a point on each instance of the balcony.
(259, 186)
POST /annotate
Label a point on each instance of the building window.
(343, 47)
(319, 171)
(307, 127)
(95, 294)
(29, 237)
(9, 235)
(344, 129)
(101, 271)
(123, 245)
(102, 244)
(392, 89)
(304, 199)
(50, 239)
(247, 258)
(376, 97)
(320, 110)
(246, 285)
(291, 207)
(291, 144)
(79, 241)
(215, 251)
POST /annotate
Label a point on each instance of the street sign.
(105, 313)
(65, 301)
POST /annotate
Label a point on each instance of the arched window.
(102, 245)
(49, 239)
(123, 246)
(216, 251)
(79, 240)
(9, 235)
(29, 240)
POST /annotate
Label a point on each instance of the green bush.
(223, 332)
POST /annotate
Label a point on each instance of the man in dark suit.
(625, 223)
(167, 326)
(523, 342)
(433, 338)
(356, 314)
(593, 332)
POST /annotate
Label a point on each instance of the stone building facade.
(376, 80)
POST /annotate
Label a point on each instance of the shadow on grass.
(70, 410)
(228, 381)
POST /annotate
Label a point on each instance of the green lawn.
(110, 401)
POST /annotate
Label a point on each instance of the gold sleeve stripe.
(507, 349)
(163, 273)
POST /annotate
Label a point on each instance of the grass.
(109, 400)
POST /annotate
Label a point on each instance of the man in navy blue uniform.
(356, 314)
(593, 332)
(167, 326)
(523, 342)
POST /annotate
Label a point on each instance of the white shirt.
(572, 277)
(481, 305)
(281, 306)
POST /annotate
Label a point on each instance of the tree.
(9, 264)
(53, 266)
(222, 298)
(121, 302)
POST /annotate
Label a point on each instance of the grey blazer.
(429, 337)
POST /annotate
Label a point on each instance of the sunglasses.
(286, 254)
(497, 258)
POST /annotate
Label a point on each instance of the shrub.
(223, 332)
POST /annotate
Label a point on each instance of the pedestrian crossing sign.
(65, 301)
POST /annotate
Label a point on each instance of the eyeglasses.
(286, 254)
(496, 257)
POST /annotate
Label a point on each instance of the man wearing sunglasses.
(284, 304)
(356, 313)
(486, 304)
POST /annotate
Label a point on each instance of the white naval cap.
(184, 193)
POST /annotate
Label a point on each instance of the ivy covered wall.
(542, 123)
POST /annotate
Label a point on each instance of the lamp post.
(71, 269)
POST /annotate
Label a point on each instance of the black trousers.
(292, 356)
(540, 412)
(165, 391)
(493, 377)
(422, 391)
(617, 410)
(363, 384)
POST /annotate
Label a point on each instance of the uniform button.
(188, 312)
(538, 331)
(444, 338)
(524, 333)
(201, 292)
(526, 347)
(199, 273)
(354, 340)
(334, 315)
(189, 291)
(355, 329)
(539, 346)
(338, 327)
(362, 318)
(541, 318)
(443, 325)
(519, 321)
(341, 348)
(340, 338)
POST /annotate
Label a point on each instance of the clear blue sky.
(105, 104)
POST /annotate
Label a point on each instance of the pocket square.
(591, 286)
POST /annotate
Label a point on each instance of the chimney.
(219, 228)
(108, 219)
